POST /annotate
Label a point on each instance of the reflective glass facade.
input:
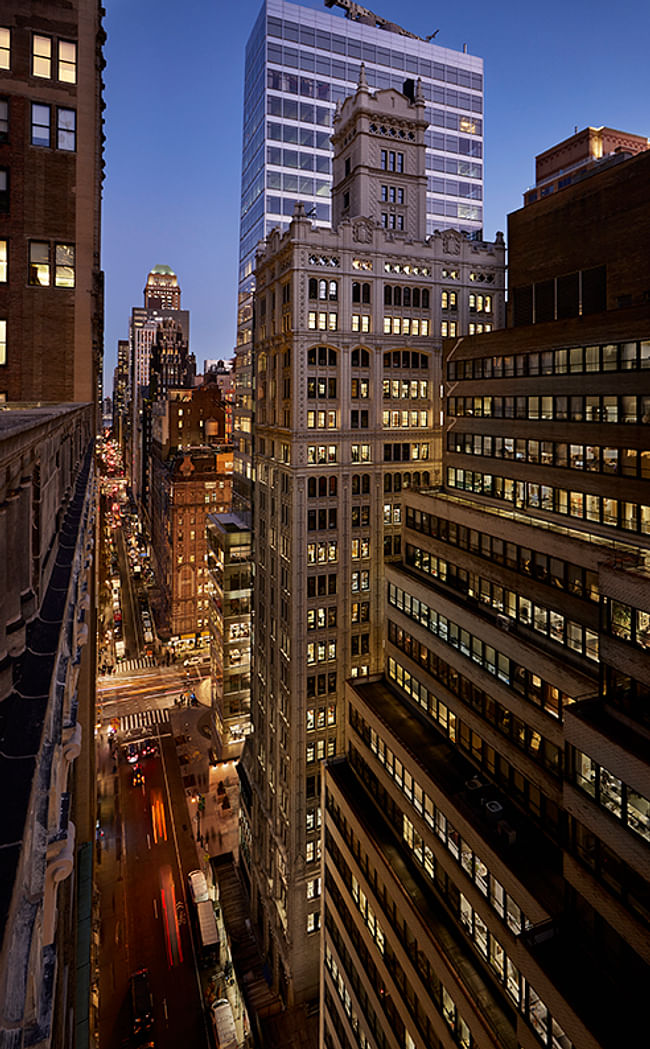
(299, 64)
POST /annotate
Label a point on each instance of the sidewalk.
(216, 828)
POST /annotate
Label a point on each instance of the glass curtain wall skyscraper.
(299, 63)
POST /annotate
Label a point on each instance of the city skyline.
(568, 80)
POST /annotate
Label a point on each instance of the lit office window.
(67, 69)
(42, 57)
(64, 266)
(39, 263)
(5, 48)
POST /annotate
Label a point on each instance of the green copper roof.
(166, 270)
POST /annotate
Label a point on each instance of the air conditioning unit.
(507, 832)
(494, 807)
(504, 622)
(474, 783)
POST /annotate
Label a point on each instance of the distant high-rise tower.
(162, 291)
(51, 283)
(299, 64)
(162, 301)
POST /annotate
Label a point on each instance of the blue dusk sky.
(174, 94)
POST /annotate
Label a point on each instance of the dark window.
(594, 290)
(544, 301)
(4, 191)
(41, 121)
(66, 129)
(4, 119)
(523, 306)
(567, 296)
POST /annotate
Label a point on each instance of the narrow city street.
(145, 849)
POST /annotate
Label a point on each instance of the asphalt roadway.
(145, 849)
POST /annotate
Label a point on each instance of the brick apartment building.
(51, 167)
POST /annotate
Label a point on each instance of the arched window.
(313, 288)
(416, 479)
(332, 486)
(397, 296)
(388, 483)
(356, 484)
(322, 487)
(360, 358)
(407, 297)
(365, 483)
(406, 480)
(397, 483)
(334, 291)
(425, 298)
(311, 488)
(365, 293)
(356, 291)
(388, 295)
(416, 298)
(323, 356)
(425, 478)
(322, 289)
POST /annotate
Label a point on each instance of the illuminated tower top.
(162, 290)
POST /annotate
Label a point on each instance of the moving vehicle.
(132, 753)
(141, 1008)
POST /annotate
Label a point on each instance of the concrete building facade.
(47, 688)
(347, 420)
(487, 836)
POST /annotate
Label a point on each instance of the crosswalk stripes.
(129, 665)
(143, 719)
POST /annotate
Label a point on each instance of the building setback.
(51, 167)
(347, 419)
(487, 835)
